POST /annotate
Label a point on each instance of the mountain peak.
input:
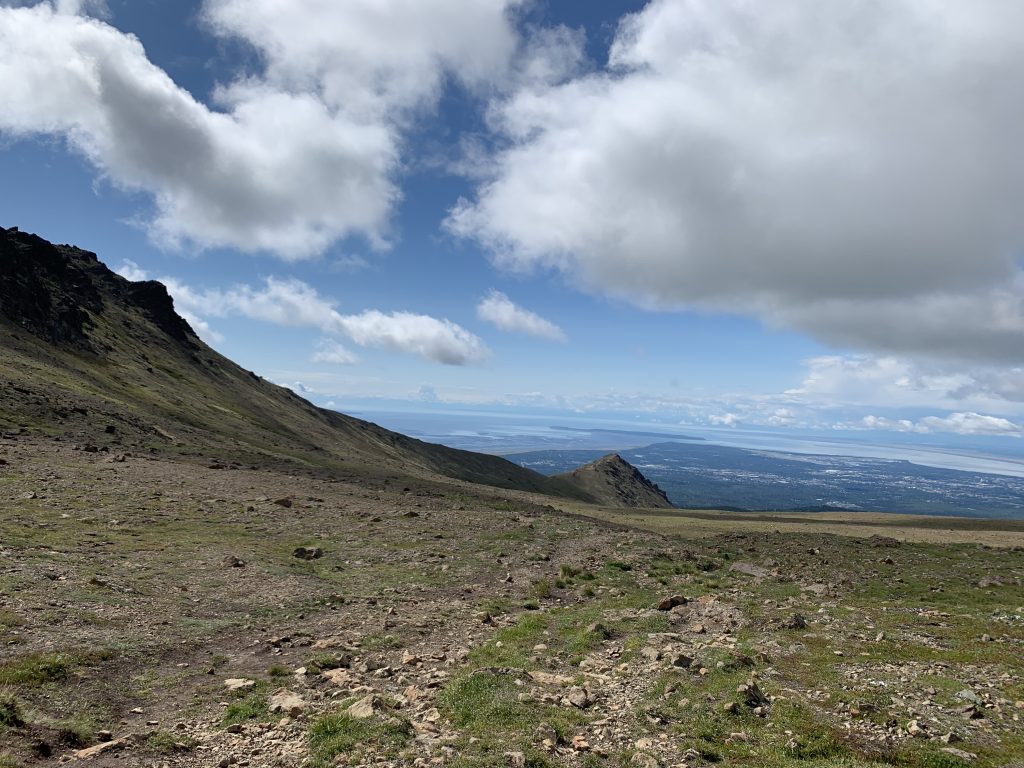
(57, 293)
(614, 481)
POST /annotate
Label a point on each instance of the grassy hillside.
(94, 358)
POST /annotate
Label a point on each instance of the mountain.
(615, 482)
(91, 357)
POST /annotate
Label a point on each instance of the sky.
(708, 211)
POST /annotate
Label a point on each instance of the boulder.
(286, 702)
(366, 707)
(668, 603)
(308, 553)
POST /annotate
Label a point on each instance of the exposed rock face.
(56, 291)
(614, 481)
(47, 289)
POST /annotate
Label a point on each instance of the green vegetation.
(337, 734)
(486, 706)
(11, 715)
(167, 742)
(248, 705)
(35, 669)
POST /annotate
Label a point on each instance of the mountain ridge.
(93, 357)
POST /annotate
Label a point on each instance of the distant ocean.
(504, 433)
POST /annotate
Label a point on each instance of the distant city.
(773, 473)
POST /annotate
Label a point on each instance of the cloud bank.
(291, 302)
(288, 160)
(499, 310)
(850, 170)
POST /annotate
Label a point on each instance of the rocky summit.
(614, 481)
(199, 568)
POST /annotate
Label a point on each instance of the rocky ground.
(158, 612)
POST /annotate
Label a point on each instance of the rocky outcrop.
(614, 481)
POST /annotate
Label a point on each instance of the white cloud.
(294, 157)
(882, 422)
(782, 417)
(835, 168)
(895, 382)
(329, 351)
(961, 423)
(374, 58)
(435, 339)
(969, 424)
(724, 419)
(294, 303)
(501, 311)
(129, 270)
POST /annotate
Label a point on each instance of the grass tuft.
(338, 734)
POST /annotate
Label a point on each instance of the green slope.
(92, 357)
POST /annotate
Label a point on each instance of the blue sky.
(688, 209)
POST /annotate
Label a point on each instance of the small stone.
(364, 708)
(971, 712)
(545, 733)
(644, 760)
(752, 695)
(238, 683)
(99, 749)
(578, 697)
(308, 553)
(668, 603)
(966, 756)
(796, 621)
(287, 702)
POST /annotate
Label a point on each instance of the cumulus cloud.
(129, 270)
(724, 419)
(289, 159)
(436, 339)
(882, 422)
(502, 312)
(291, 302)
(961, 423)
(329, 351)
(850, 170)
(899, 382)
(969, 424)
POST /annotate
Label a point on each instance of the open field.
(915, 528)
(475, 627)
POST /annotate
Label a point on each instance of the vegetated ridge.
(615, 482)
(90, 356)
